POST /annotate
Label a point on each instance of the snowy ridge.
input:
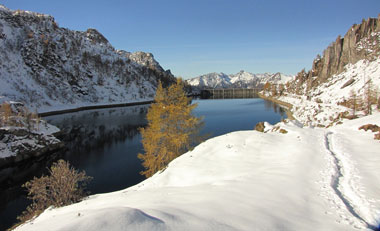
(52, 68)
(241, 79)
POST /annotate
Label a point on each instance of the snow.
(10, 144)
(82, 69)
(245, 180)
(360, 163)
(242, 79)
(212, 80)
(322, 107)
(310, 178)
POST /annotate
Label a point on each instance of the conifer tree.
(172, 128)
(353, 102)
(369, 97)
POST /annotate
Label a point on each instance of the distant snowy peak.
(213, 80)
(243, 76)
(242, 79)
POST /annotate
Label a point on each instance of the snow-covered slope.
(241, 79)
(48, 67)
(323, 105)
(347, 74)
(242, 181)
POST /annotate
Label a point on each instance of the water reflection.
(105, 143)
(102, 142)
(269, 105)
(228, 115)
(96, 129)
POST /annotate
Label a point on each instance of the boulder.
(260, 127)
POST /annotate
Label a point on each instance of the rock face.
(360, 42)
(48, 67)
(349, 49)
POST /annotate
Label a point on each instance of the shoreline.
(288, 106)
(85, 108)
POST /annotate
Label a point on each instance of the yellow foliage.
(6, 111)
(171, 128)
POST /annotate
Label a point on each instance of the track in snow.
(335, 182)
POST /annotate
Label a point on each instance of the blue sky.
(200, 36)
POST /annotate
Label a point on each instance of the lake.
(105, 143)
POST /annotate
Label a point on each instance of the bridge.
(230, 93)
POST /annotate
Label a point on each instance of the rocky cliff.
(48, 67)
(360, 42)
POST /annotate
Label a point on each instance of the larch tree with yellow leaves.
(172, 128)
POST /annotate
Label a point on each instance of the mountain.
(213, 80)
(48, 67)
(343, 82)
(361, 42)
(241, 79)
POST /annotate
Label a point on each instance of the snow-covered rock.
(20, 143)
(23, 135)
(50, 68)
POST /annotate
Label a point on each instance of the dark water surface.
(105, 144)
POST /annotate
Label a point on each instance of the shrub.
(5, 112)
(64, 185)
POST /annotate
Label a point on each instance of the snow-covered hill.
(241, 181)
(241, 79)
(48, 67)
